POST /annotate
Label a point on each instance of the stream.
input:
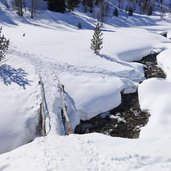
(126, 119)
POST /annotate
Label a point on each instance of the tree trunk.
(32, 9)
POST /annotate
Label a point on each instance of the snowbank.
(92, 94)
(154, 96)
(164, 61)
(19, 101)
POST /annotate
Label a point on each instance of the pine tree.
(4, 43)
(18, 4)
(32, 8)
(97, 40)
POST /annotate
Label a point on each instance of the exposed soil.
(127, 119)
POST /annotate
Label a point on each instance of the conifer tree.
(4, 43)
(32, 8)
(97, 40)
(18, 4)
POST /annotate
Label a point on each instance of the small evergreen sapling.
(79, 26)
(97, 40)
(130, 12)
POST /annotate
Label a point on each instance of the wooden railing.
(42, 111)
(66, 122)
(64, 115)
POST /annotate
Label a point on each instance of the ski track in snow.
(59, 68)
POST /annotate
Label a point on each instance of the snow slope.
(61, 53)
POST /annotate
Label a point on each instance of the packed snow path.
(49, 75)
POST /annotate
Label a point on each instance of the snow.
(117, 117)
(154, 95)
(165, 62)
(18, 121)
(60, 53)
(89, 152)
(81, 71)
(89, 99)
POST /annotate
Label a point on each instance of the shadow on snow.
(11, 75)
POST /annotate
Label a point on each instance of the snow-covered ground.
(60, 53)
(89, 152)
(20, 102)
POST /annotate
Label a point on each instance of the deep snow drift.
(61, 53)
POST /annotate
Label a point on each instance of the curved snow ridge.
(20, 102)
(135, 54)
(125, 70)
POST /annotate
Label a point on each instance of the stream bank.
(126, 119)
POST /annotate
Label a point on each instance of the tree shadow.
(108, 58)
(11, 75)
(4, 167)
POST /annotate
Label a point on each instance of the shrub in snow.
(130, 12)
(115, 12)
(79, 25)
(97, 40)
(3, 45)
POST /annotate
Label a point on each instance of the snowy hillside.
(51, 47)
